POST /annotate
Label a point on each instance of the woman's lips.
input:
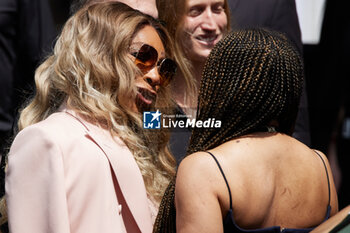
(145, 97)
(146, 101)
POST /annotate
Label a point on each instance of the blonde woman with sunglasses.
(82, 161)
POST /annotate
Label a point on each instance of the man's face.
(204, 25)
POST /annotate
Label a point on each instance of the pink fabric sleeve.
(35, 187)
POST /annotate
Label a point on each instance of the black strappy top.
(231, 226)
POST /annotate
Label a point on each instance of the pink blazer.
(66, 175)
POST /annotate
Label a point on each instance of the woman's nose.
(152, 77)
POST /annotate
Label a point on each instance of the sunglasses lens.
(146, 57)
(167, 69)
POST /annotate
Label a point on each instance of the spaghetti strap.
(222, 172)
(329, 188)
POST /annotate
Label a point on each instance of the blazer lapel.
(126, 171)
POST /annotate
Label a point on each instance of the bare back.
(274, 179)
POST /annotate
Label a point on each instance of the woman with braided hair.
(249, 175)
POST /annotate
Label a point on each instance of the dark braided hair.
(251, 78)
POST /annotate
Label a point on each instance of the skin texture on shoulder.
(196, 202)
(266, 181)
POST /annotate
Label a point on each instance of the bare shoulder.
(194, 160)
(320, 153)
(196, 198)
(198, 171)
(333, 191)
(198, 174)
(198, 166)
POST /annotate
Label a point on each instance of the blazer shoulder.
(56, 126)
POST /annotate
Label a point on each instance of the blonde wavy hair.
(172, 13)
(91, 70)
